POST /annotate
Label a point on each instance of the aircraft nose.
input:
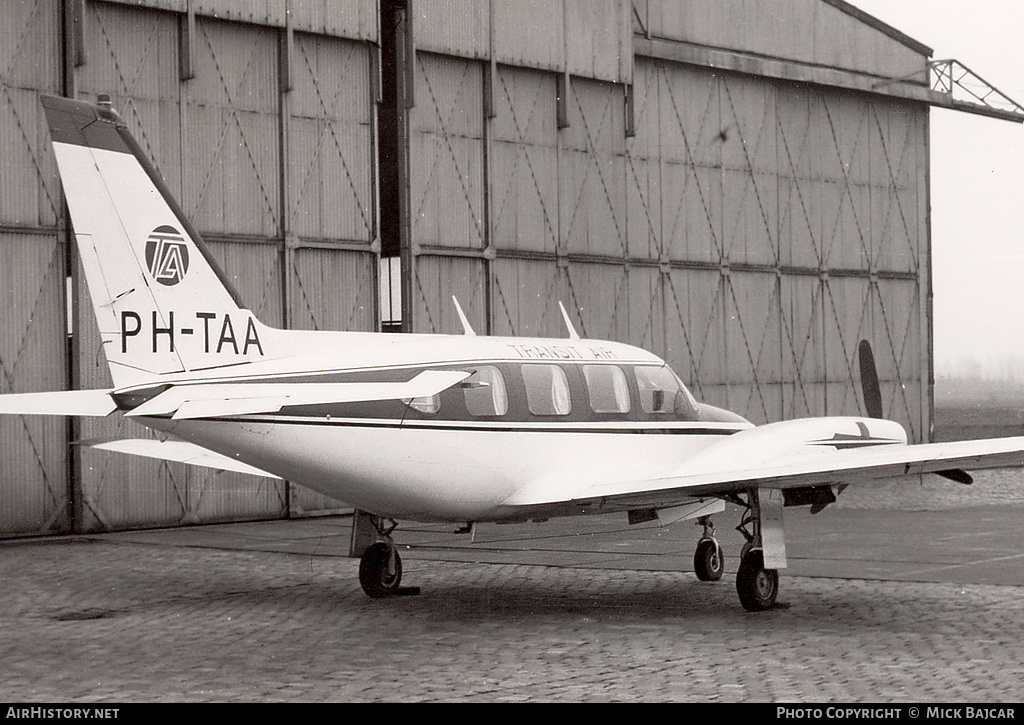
(710, 414)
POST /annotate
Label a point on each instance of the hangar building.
(739, 186)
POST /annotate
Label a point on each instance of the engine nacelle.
(775, 444)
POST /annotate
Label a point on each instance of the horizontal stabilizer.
(95, 403)
(178, 452)
(220, 399)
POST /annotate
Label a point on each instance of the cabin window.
(485, 392)
(607, 388)
(547, 389)
(662, 392)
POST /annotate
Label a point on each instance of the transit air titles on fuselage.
(220, 332)
(563, 352)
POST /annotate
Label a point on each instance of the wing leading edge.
(721, 474)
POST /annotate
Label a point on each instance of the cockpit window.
(485, 392)
(661, 391)
(607, 388)
(547, 389)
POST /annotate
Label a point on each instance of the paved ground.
(877, 606)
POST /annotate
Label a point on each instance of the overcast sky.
(977, 180)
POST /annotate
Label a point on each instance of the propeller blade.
(869, 381)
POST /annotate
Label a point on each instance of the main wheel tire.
(756, 585)
(374, 576)
(708, 562)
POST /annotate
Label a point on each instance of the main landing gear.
(757, 579)
(380, 568)
(756, 586)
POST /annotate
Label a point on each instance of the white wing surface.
(742, 462)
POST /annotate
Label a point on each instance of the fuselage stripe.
(511, 427)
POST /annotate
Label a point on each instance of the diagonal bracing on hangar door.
(33, 352)
(834, 210)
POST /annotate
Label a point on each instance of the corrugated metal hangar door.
(265, 130)
(215, 138)
(512, 153)
(750, 230)
(33, 463)
(274, 163)
(517, 166)
(792, 220)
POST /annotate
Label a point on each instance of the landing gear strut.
(756, 584)
(380, 568)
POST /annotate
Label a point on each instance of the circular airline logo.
(167, 255)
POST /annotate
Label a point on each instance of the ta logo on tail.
(166, 255)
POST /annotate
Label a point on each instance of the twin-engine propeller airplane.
(438, 428)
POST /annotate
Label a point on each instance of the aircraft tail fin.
(162, 304)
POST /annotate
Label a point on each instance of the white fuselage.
(428, 473)
(566, 406)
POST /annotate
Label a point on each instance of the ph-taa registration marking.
(218, 332)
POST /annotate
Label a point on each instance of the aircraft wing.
(177, 451)
(718, 475)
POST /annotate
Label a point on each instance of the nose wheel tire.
(380, 571)
(756, 585)
(708, 562)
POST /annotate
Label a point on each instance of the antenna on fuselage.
(467, 329)
(573, 335)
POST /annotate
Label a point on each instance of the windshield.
(661, 391)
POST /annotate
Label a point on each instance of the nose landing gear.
(708, 561)
(380, 568)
